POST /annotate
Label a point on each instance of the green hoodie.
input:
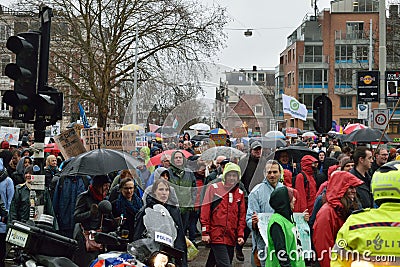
(146, 152)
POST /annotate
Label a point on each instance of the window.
(355, 30)
(362, 53)
(366, 6)
(313, 78)
(346, 102)
(343, 78)
(261, 77)
(312, 53)
(258, 110)
(4, 61)
(343, 53)
(5, 32)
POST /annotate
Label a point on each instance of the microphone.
(105, 207)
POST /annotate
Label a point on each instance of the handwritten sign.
(141, 141)
(92, 138)
(120, 140)
(301, 225)
(69, 143)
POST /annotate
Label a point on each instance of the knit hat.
(5, 145)
(100, 180)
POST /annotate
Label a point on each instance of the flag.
(293, 107)
(83, 116)
(175, 123)
(153, 127)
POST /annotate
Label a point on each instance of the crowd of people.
(225, 195)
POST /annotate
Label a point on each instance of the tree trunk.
(102, 117)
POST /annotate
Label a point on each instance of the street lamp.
(382, 52)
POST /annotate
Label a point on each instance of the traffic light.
(322, 114)
(49, 105)
(24, 72)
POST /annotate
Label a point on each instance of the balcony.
(314, 61)
(351, 35)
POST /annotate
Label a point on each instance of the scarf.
(123, 205)
(177, 171)
(97, 196)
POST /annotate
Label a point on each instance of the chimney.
(254, 68)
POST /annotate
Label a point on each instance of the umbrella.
(132, 127)
(52, 148)
(352, 127)
(275, 134)
(366, 135)
(296, 153)
(199, 137)
(229, 152)
(200, 127)
(156, 160)
(269, 142)
(308, 134)
(219, 131)
(100, 161)
(166, 130)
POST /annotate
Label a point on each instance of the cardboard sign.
(69, 143)
(218, 139)
(9, 134)
(120, 140)
(92, 138)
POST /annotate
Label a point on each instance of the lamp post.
(134, 102)
(382, 52)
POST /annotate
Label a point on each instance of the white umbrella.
(275, 134)
(308, 134)
(200, 127)
(213, 152)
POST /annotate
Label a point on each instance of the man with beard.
(252, 168)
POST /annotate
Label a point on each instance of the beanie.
(5, 145)
(100, 180)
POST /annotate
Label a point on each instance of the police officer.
(372, 236)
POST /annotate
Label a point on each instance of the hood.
(338, 184)
(306, 162)
(230, 166)
(280, 202)
(146, 151)
(158, 172)
(173, 158)
(20, 165)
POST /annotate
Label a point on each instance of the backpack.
(306, 184)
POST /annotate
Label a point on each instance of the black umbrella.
(166, 130)
(199, 137)
(366, 135)
(100, 161)
(269, 142)
(296, 153)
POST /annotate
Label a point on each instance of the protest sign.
(69, 143)
(92, 138)
(9, 134)
(120, 140)
(141, 141)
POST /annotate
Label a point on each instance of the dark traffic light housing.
(24, 72)
(49, 105)
(322, 114)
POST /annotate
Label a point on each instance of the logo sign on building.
(380, 118)
(368, 86)
(392, 84)
(362, 111)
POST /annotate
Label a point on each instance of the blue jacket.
(6, 194)
(259, 202)
(64, 200)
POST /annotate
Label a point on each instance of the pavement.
(201, 258)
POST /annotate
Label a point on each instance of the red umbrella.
(52, 148)
(352, 127)
(156, 160)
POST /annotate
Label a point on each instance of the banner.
(293, 107)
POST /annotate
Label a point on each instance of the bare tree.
(94, 43)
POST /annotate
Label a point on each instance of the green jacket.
(20, 204)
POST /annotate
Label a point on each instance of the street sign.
(380, 118)
(362, 111)
(368, 86)
(392, 83)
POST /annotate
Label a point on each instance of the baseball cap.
(255, 145)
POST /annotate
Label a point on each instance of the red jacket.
(306, 195)
(226, 222)
(329, 221)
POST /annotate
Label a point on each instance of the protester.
(163, 173)
(187, 145)
(381, 158)
(258, 202)
(126, 206)
(362, 163)
(372, 232)
(6, 196)
(341, 200)
(223, 221)
(88, 217)
(159, 194)
(286, 164)
(284, 249)
(165, 162)
(50, 171)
